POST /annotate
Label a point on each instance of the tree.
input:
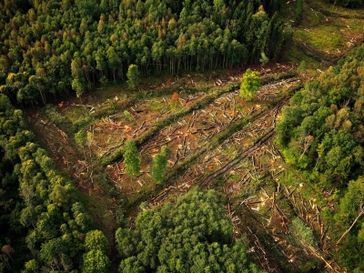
(113, 60)
(79, 86)
(299, 11)
(95, 240)
(132, 158)
(159, 164)
(133, 76)
(320, 136)
(164, 240)
(95, 261)
(250, 83)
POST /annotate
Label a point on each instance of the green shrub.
(303, 232)
(250, 83)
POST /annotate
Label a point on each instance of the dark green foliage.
(41, 206)
(50, 48)
(132, 159)
(299, 10)
(159, 164)
(193, 235)
(321, 133)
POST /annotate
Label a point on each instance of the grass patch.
(297, 56)
(76, 114)
(323, 38)
(336, 10)
(355, 25)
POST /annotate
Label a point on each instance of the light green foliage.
(303, 232)
(95, 240)
(132, 159)
(192, 235)
(159, 164)
(263, 58)
(31, 267)
(81, 137)
(79, 87)
(128, 115)
(95, 261)
(249, 85)
(133, 76)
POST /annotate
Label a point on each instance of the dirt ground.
(195, 130)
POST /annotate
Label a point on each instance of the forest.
(141, 136)
(54, 47)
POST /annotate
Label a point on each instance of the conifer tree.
(159, 164)
(133, 76)
(132, 158)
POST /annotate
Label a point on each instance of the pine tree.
(133, 76)
(159, 164)
(132, 158)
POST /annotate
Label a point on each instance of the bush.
(250, 83)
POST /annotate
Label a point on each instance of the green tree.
(95, 240)
(132, 159)
(299, 11)
(164, 240)
(133, 76)
(79, 86)
(250, 83)
(320, 136)
(159, 164)
(95, 261)
(113, 60)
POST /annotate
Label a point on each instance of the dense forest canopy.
(49, 47)
(321, 133)
(192, 235)
(41, 219)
